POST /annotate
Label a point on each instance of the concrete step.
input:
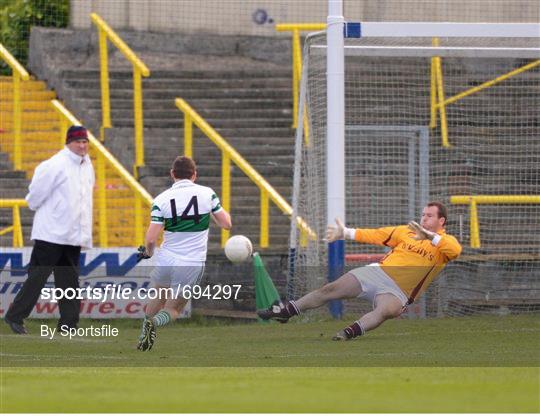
(215, 123)
(252, 153)
(156, 103)
(158, 184)
(175, 74)
(45, 134)
(13, 187)
(27, 105)
(173, 113)
(46, 116)
(166, 94)
(184, 83)
(215, 170)
(26, 95)
(32, 126)
(6, 83)
(174, 133)
(202, 144)
(12, 175)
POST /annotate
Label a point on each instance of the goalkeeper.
(419, 253)
(183, 212)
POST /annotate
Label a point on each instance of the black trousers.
(47, 258)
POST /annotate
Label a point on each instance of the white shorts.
(172, 272)
(375, 281)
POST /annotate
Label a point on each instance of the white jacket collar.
(75, 157)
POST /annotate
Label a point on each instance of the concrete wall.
(258, 17)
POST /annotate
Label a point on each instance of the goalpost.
(431, 111)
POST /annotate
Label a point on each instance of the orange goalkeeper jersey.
(412, 264)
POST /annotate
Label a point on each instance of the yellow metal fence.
(19, 74)
(228, 155)
(139, 70)
(474, 200)
(16, 228)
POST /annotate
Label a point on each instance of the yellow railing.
(105, 157)
(295, 29)
(228, 154)
(16, 228)
(437, 96)
(19, 73)
(139, 70)
(438, 100)
(473, 202)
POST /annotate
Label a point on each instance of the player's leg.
(66, 275)
(387, 306)
(183, 278)
(155, 305)
(170, 312)
(148, 330)
(161, 277)
(347, 286)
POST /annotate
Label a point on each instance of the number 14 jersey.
(184, 210)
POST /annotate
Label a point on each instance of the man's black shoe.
(276, 312)
(15, 327)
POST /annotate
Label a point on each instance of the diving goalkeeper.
(419, 253)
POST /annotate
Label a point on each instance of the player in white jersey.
(183, 211)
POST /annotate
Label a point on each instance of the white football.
(238, 248)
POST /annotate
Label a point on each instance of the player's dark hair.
(183, 167)
(442, 211)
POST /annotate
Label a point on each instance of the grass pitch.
(482, 364)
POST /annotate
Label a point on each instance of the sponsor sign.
(99, 268)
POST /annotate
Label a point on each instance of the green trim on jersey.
(154, 207)
(217, 208)
(160, 219)
(187, 225)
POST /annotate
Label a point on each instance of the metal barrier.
(295, 29)
(437, 96)
(16, 228)
(104, 157)
(473, 202)
(139, 70)
(438, 100)
(228, 154)
(19, 73)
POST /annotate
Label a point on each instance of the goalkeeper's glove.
(141, 254)
(421, 232)
(340, 232)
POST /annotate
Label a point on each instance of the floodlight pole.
(335, 139)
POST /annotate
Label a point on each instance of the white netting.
(259, 17)
(395, 163)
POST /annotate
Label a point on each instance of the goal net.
(422, 123)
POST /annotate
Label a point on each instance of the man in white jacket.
(61, 194)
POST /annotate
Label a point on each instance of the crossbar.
(449, 30)
(431, 51)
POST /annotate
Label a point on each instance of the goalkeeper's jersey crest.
(184, 210)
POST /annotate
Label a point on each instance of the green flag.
(265, 291)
